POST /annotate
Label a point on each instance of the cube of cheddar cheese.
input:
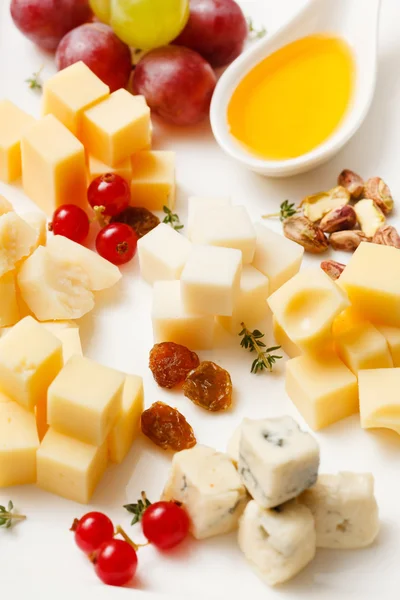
(116, 127)
(30, 358)
(162, 254)
(14, 122)
(363, 347)
(70, 92)
(70, 468)
(379, 398)
(127, 425)
(18, 444)
(96, 168)
(84, 400)
(322, 388)
(153, 179)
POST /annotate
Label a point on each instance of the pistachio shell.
(302, 231)
(332, 268)
(377, 190)
(318, 205)
(348, 241)
(387, 236)
(352, 182)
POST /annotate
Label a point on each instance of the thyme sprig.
(287, 209)
(7, 516)
(254, 32)
(172, 219)
(138, 508)
(252, 341)
(34, 82)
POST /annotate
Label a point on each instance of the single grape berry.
(165, 524)
(70, 221)
(110, 191)
(116, 562)
(93, 530)
(117, 243)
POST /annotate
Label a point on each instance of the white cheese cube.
(276, 256)
(162, 253)
(277, 460)
(227, 226)
(345, 510)
(211, 280)
(278, 543)
(196, 204)
(251, 304)
(207, 484)
(173, 323)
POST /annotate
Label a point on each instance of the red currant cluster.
(108, 195)
(164, 524)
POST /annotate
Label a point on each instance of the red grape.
(110, 191)
(45, 22)
(93, 530)
(117, 243)
(177, 83)
(165, 524)
(217, 29)
(116, 562)
(99, 48)
(72, 222)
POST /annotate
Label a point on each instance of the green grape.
(101, 9)
(146, 24)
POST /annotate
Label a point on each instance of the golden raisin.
(209, 386)
(167, 427)
(170, 363)
(139, 218)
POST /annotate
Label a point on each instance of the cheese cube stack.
(14, 123)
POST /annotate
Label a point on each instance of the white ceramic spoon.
(354, 20)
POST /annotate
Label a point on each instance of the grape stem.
(122, 533)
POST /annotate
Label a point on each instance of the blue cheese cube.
(208, 485)
(345, 510)
(277, 460)
(277, 542)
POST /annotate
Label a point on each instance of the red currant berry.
(117, 243)
(165, 524)
(116, 562)
(70, 221)
(92, 530)
(110, 191)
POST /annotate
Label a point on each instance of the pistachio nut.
(377, 190)
(387, 236)
(352, 182)
(301, 230)
(370, 217)
(317, 205)
(339, 219)
(332, 268)
(347, 240)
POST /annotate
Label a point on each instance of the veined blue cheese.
(278, 542)
(277, 460)
(345, 510)
(208, 485)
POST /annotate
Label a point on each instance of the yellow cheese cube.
(70, 92)
(283, 340)
(14, 122)
(38, 222)
(84, 400)
(18, 444)
(323, 389)
(17, 240)
(372, 281)
(379, 398)
(392, 337)
(41, 417)
(53, 166)
(153, 180)
(116, 128)
(306, 306)
(363, 347)
(70, 468)
(346, 320)
(71, 342)
(127, 425)
(97, 168)
(9, 310)
(30, 358)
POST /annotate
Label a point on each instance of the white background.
(38, 557)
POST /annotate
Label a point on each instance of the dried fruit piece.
(332, 268)
(209, 386)
(352, 182)
(378, 191)
(167, 427)
(387, 236)
(139, 218)
(348, 241)
(370, 217)
(302, 231)
(317, 205)
(339, 219)
(170, 363)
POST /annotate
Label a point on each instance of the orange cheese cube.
(153, 180)
(14, 122)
